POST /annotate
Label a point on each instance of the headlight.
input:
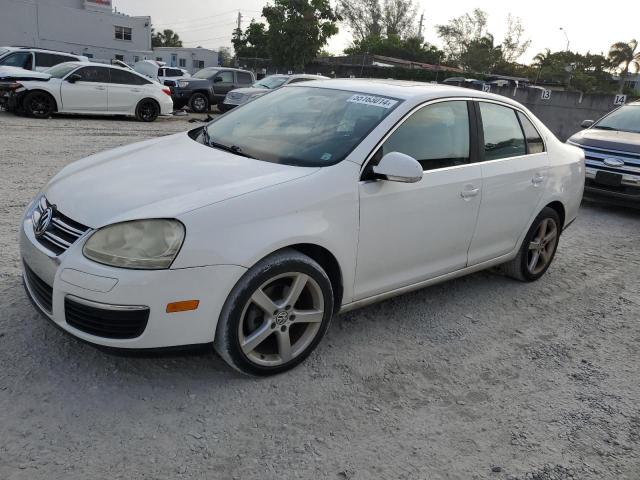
(183, 83)
(141, 244)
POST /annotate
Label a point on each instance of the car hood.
(162, 177)
(16, 73)
(608, 139)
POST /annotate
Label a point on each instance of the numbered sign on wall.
(546, 95)
(486, 87)
(620, 100)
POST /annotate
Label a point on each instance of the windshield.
(303, 126)
(3, 51)
(273, 81)
(206, 73)
(625, 119)
(60, 70)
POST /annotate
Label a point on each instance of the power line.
(199, 19)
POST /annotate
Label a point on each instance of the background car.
(252, 231)
(242, 95)
(36, 59)
(90, 88)
(171, 73)
(209, 86)
(612, 150)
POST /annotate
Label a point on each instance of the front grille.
(107, 322)
(42, 293)
(62, 231)
(595, 157)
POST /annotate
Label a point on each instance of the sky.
(209, 23)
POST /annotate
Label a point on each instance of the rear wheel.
(538, 248)
(38, 104)
(199, 103)
(276, 314)
(147, 110)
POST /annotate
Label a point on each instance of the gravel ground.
(478, 378)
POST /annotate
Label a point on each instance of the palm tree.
(542, 59)
(624, 56)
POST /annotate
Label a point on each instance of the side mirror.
(73, 78)
(587, 123)
(398, 167)
(217, 80)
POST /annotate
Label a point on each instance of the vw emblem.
(613, 162)
(282, 317)
(41, 224)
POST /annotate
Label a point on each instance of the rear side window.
(436, 135)
(503, 136)
(93, 74)
(127, 78)
(244, 77)
(51, 59)
(534, 140)
(19, 59)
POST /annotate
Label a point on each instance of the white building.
(83, 27)
(191, 59)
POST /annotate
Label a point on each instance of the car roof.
(106, 65)
(15, 48)
(402, 89)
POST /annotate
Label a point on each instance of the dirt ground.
(478, 378)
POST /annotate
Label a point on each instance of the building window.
(123, 33)
(120, 57)
(158, 59)
(182, 62)
(199, 64)
(136, 59)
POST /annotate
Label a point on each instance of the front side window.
(123, 33)
(224, 77)
(20, 60)
(624, 119)
(301, 126)
(61, 70)
(503, 136)
(205, 73)
(93, 74)
(437, 136)
(534, 140)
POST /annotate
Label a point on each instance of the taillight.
(167, 91)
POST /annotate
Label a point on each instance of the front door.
(410, 232)
(87, 93)
(223, 83)
(514, 175)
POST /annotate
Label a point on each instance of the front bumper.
(73, 278)
(627, 191)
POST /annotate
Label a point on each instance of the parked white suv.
(35, 59)
(252, 231)
(89, 88)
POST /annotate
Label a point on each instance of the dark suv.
(208, 86)
(612, 155)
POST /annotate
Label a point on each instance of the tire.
(199, 103)
(534, 257)
(38, 104)
(302, 321)
(147, 110)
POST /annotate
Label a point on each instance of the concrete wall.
(67, 26)
(189, 55)
(564, 111)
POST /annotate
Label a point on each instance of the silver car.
(272, 82)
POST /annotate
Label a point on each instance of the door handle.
(136, 90)
(537, 179)
(100, 88)
(469, 193)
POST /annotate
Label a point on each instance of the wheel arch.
(41, 90)
(559, 209)
(153, 100)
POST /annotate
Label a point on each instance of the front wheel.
(147, 111)
(38, 104)
(199, 103)
(538, 248)
(276, 315)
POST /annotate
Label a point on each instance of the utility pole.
(420, 26)
(239, 20)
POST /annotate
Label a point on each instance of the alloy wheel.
(542, 246)
(281, 319)
(39, 105)
(147, 111)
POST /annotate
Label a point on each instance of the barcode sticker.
(372, 100)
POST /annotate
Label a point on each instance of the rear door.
(87, 94)
(126, 89)
(514, 176)
(46, 60)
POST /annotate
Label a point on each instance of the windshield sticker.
(325, 156)
(372, 100)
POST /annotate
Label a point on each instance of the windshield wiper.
(604, 127)
(221, 146)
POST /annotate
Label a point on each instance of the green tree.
(224, 56)
(165, 38)
(298, 29)
(412, 48)
(459, 32)
(623, 56)
(377, 18)
(481, 55)
(252, 43)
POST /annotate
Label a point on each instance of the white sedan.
(253, 231)
(90, 88)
